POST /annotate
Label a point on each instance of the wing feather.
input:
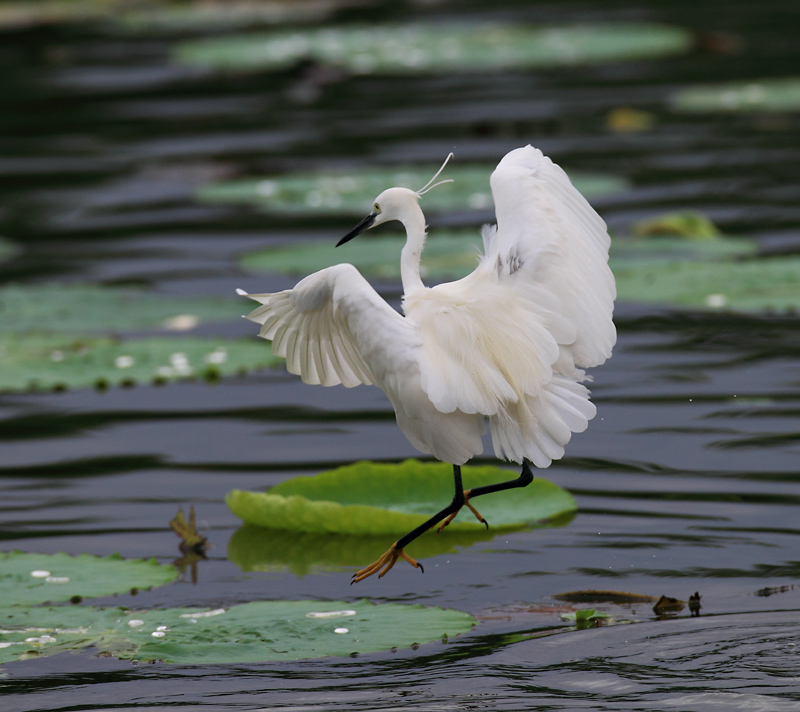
(548, 230)
(333, 328)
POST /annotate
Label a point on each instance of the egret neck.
(414, 222)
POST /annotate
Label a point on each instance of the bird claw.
(385, 562)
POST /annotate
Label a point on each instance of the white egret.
(506, 344)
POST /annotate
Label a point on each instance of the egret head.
(394, 204)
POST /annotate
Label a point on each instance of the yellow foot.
(471, 509)
(386, 562)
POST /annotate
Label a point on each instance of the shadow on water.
(686, 481)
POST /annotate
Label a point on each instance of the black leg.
(395, 551)
(454, 506)
(524, 479)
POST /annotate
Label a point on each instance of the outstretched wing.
(334, 328)
(549, 234)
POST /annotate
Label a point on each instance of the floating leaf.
(350, 192)
(587, 618)
(254, 632)
(28, 579)
(375, 498)
(750, 96)
(92, 308)
(667, 604)
(600, 596)
(753, 285)
(438, 47)
(690, 224)
(47, 361)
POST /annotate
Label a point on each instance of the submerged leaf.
(776, 94)
(438, 47)
(252, 632)
(27, 579)
(47, 361)
(601, 596)
(349, 192)
(376, 498)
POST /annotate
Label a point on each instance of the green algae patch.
(437, 47)
(369, 498)
(253, 632)
(349, 192)
(29, 579)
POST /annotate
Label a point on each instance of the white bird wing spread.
(509, 340)
(333, 328)
(548, 232)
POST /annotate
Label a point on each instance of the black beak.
(365, 224)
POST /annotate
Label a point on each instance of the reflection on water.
(686, 481)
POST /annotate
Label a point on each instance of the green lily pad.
(93, 308)
(690, 224)
(438, 47)
(47, 361)
(27, 579)
(350, 192)
(749, 96)
(753, 285)
(254, 632)
(374, 498)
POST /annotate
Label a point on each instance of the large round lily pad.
(254, 632)
(27, 579)
(377, 498)
(438, 47)
(350, 192)
(93, 308)
(782, 94)
(46, 361)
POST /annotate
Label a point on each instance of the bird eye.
(377, 208)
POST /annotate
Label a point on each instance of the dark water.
(686, 481)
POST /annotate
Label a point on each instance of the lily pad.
(93, 308)
(438, 47)
(254, 632)
(27, 579)
(690, 224)
(375, 498)
(759, 95)
(752, 285)
(47, 361)
(349, 192)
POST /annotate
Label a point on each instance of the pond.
(686, 482)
